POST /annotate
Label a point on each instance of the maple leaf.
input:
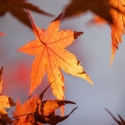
(99, 7)
(36, 111)
(117, 28)
(47, 108)
(52, 120)
(119, 122)
(2, 34)
(22, 110)
(51, 56)
(5, 102)
(18, 9)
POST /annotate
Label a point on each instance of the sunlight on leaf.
(51, 56)
(5, 102)
(119, 122)
(2, 34)
(35, 111)
(22, 110)
(99, 7)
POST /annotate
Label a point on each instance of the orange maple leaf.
(36, 110)
(117, 29)
(51, 56)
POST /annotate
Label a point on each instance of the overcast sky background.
(93, 49)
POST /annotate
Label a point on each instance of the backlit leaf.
(2, 34)
(5, 102)
(117, 29)
(51, 56)
(119, 122)
(1, 87)
(35, 111)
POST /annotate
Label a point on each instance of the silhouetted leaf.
(117, 28)
(18, 9)
(47, 107)
(56, 119)
(119, 122)
(39, 111)
(99, 7)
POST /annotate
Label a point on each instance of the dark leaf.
(63, 102)
(18, 9)
(99, 7)
(45, 111)
(21, 14)
(47, 107)
(56, 119)
(122, 120)
(58, 18)
(119, 122)
(76, 34)
(4, 119)
(30, 118)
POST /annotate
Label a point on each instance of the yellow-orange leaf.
(6, 102)
(117, 29)
(51, 56)
(1, 87)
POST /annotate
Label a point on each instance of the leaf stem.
(34, 26)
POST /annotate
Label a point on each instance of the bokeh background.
(93, 49)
